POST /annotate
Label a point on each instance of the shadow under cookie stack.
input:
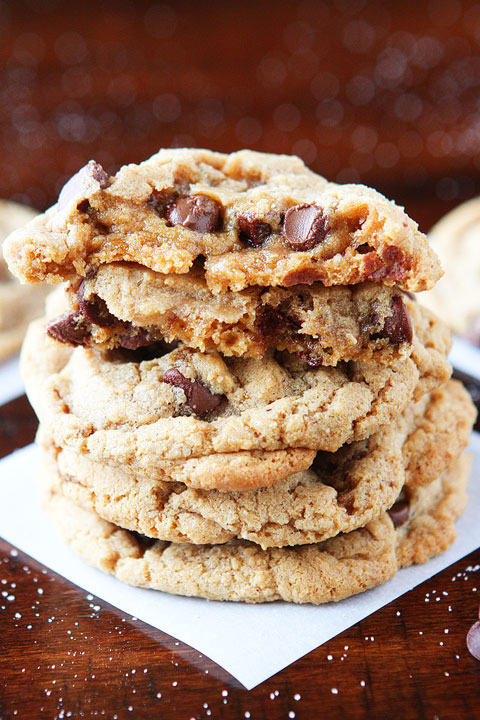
(239, 396)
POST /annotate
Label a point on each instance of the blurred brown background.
(386, 93)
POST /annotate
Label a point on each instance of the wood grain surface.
(383, 93)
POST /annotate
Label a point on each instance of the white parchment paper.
(252, 642)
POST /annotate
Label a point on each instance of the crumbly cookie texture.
(18, 304)
(125, 305)
(188, 404)
(241, 571)
(255, 219)
(341, 492)
(456, 299)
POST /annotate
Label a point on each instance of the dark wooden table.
(384, 93)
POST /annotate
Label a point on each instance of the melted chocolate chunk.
(199, 397)
(398, 327)
(159, 201)
(68, 329)
(96, 309)
(399, 512)
(304, 227)
(195, 212)
(273, 324)
(136, 338)
(81, 182)
(146, 352)
(253, 230)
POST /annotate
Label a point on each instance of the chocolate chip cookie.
(341, 492)
(186, 404)
(125, 305)
(241, 571)
(18, 303)
(456, 299)
(249, 218)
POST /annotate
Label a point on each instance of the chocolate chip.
(302, 277)
(138, 337)
(398, 327)
(68, 329)
(304, 227)
(96, 309)
(473, 640)
(81, 183)
(195, 212)
(394, 265)
(253, 230)
(159, 201)
(199, 397)
(272, 324)
(399, 512)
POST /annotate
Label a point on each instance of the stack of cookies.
(239, 397)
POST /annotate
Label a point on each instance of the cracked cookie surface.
(241, 571)
(187, 404)
(256, 219)
(341, 492)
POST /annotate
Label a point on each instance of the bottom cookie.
(416, 528)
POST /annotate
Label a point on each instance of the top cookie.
(254, 218)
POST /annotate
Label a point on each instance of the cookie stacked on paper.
(239, 397)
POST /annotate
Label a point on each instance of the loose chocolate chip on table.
(81, 180)
(94, 309)
(253, 230)
(399, 512)
(68, 329)
(473, 640)
(304, 227)
(195, 212)
(199, 397)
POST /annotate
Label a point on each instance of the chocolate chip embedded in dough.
(473, 640)
(195, 212)
(68, 329)
(398, 327)
(81, 183)
(199, 397)
(95, 309)
(253, 230)
(304, 227)
(399, 512)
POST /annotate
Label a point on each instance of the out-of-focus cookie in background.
(18, 303)
(456, 297)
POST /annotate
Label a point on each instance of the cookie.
(341, 492)
(456, 299)
(125, 305)
(18, 303)
(242, 571)
(186, 404)
(251, 218)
